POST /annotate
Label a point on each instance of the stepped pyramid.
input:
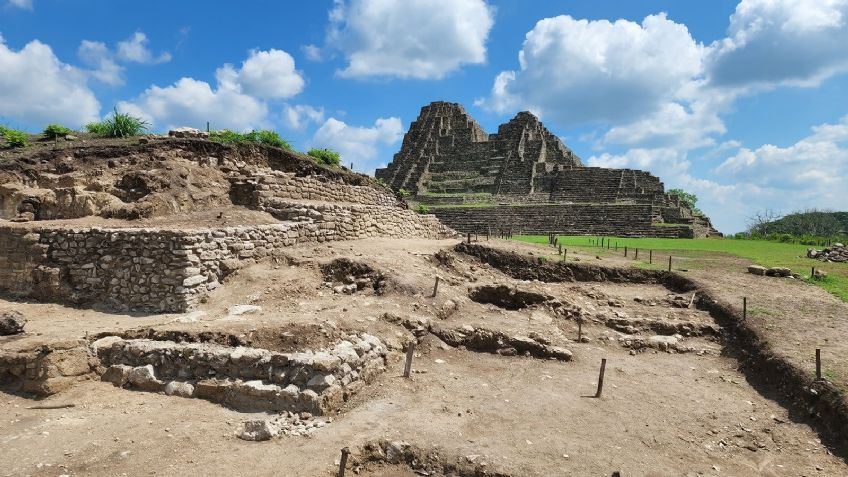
(448, 160)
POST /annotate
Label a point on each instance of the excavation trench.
(384, 458)
(484, 340)
(817, 402)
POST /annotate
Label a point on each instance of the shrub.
(271, 138)
(99, 128)
(118, 125)
(422, 209)
(13, 137)
(53, 131)
(325, 156)
(267, 137)
(403, 193)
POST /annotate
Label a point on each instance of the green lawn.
(760, 252)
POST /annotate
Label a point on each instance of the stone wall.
(619, 220)
(260, 188)
(248, 379)
(163, 270)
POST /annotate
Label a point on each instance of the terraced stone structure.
(524, 179)
(155, 225)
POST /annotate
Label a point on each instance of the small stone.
(239, 310)
(258, 430)
(179, 388)
(144, 378)
(11, 322)
(117, 374)
(756, 270)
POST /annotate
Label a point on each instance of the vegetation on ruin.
(264, 136)
(697, 251)
(53, 131)
(325, 156)
(118, 125)
(13, 137)
(688, 198)
(422, 209)
(403, 193)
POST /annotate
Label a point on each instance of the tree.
(687, 198)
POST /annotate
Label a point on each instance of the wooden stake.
(636, 257)
(436, 286)
(650, 256)
(564, 253)
(407, 369)
(560, 249)
(469, 237)
(625, 251)
(601, 378)
(343, 462)
(818, 364)
(669, 263)
(813, 272)
(744, 307)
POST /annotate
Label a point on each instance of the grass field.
(760, 252)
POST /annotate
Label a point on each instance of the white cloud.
(685, 126)
(811, 173)
(358, 145)
(134, 49)
(577, 71)
(267, 74)
(190, 102)
(299, 116)
(236, 101)
(424, 39)
(24, 4)
(818, 162)
(312, 52)
(773, 42)
(96, 55)
(36, 88)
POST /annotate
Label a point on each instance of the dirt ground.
(684, 411)
(795, 316)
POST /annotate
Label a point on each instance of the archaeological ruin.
(523, 179)
(156, 226)
(179, 306)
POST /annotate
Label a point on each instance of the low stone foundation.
(247, 379)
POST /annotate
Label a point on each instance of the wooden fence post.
(601, 378)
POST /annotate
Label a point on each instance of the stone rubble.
(286, 423)
(835, 253)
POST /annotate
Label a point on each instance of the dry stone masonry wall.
(161, 270)
(579, 219)
(248, 379)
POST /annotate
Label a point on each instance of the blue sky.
(743, 103)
